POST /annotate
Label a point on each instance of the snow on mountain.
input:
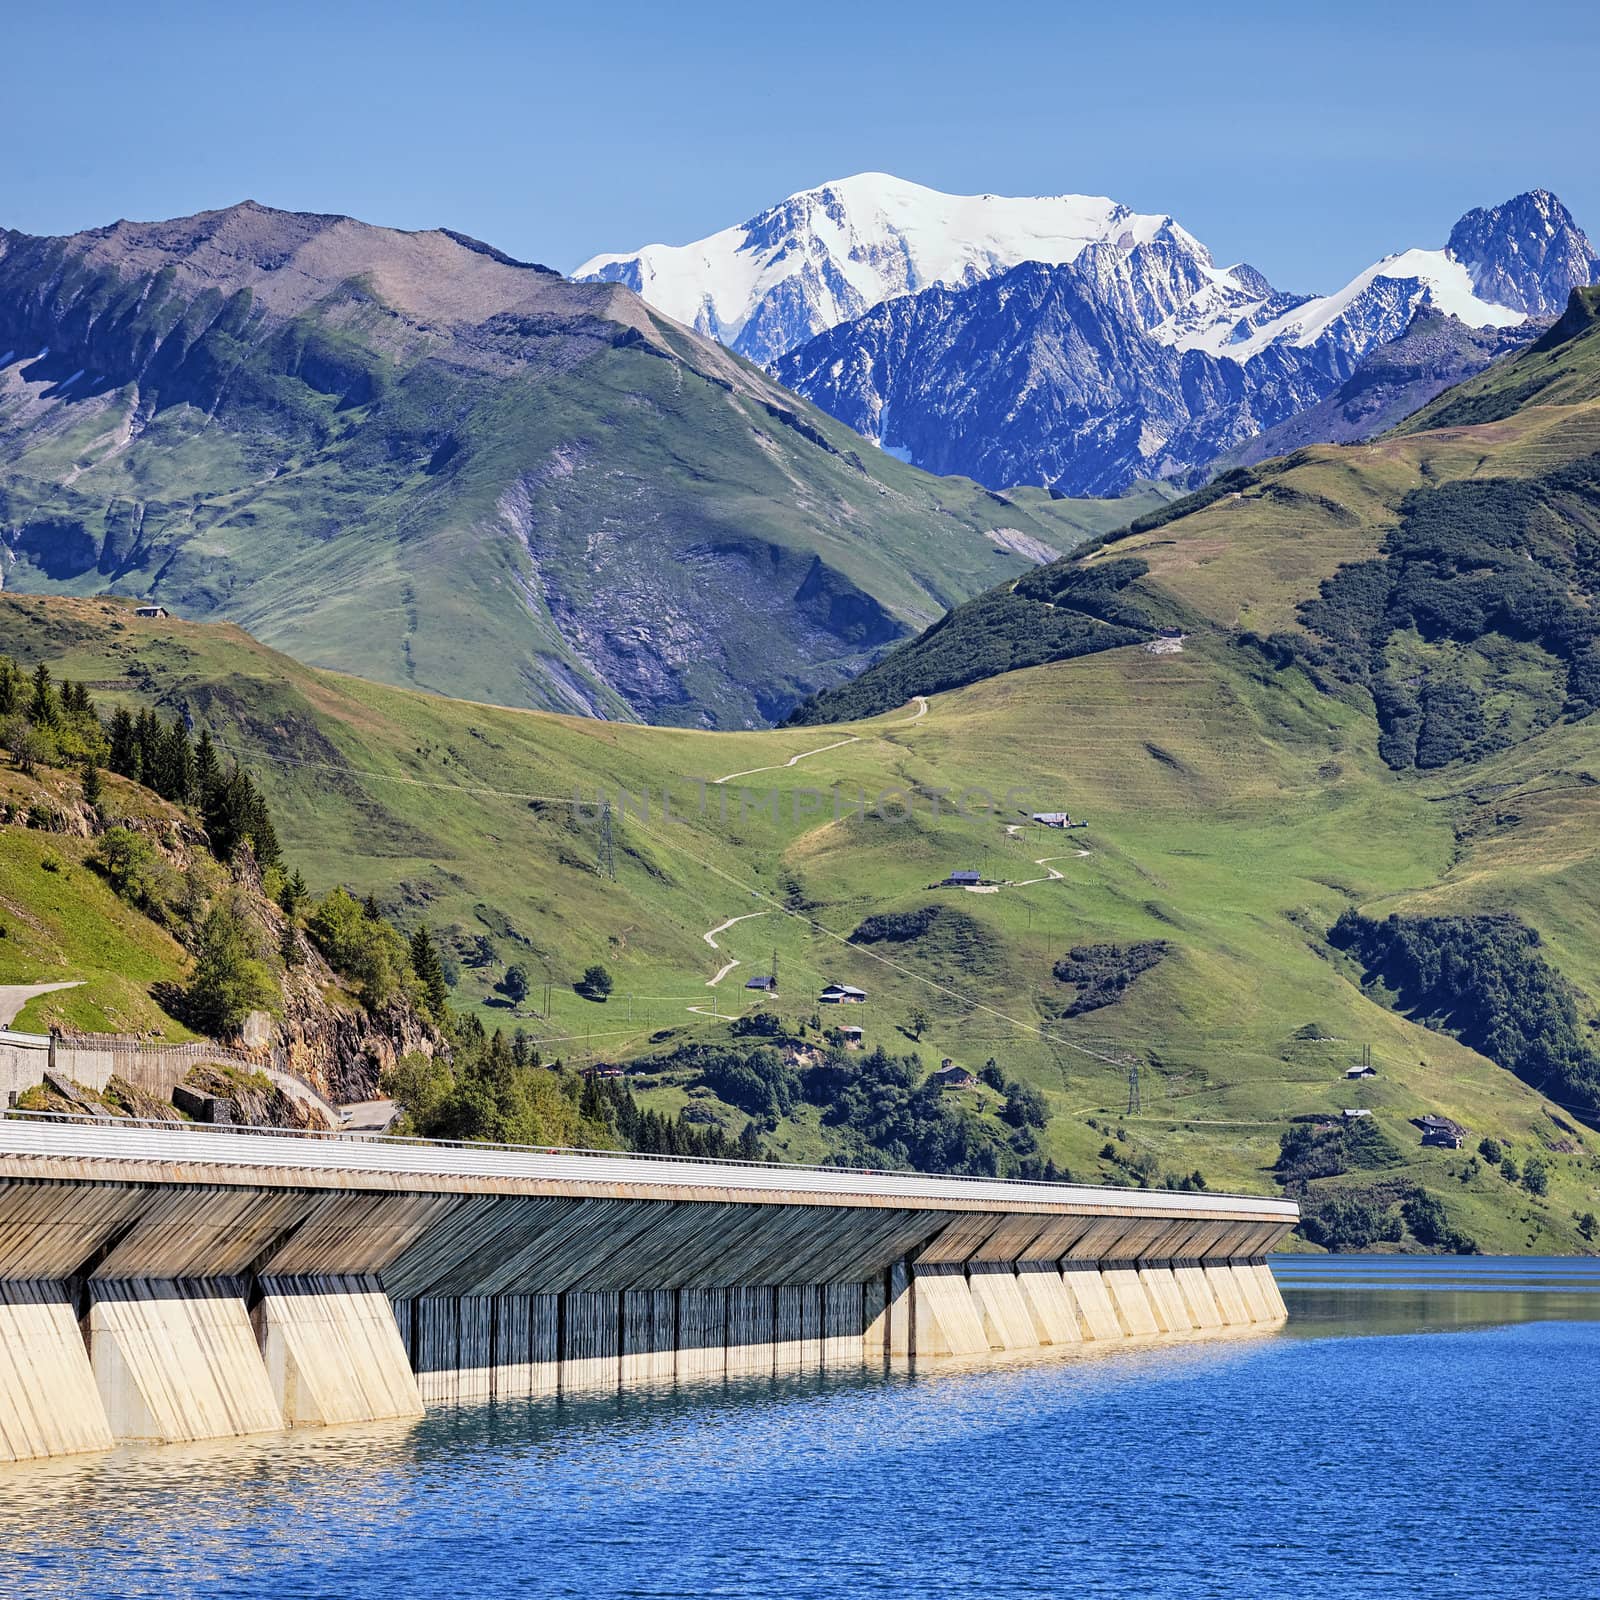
(829, 254)
(1375, 306)
(1502, 265)
(1068, 340)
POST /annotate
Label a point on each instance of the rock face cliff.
(1144, 359)
(409, 456)
(1067, 340)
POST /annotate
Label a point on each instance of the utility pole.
(1134, 1103)
(608, 859)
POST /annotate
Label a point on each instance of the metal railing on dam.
(167, 1283)
(52, 1133)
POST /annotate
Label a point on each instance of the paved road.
(368, 1116)
(14, 996)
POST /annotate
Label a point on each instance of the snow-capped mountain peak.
(1525, 254)
(1502, 265)
(829, 254)
(1143, 358)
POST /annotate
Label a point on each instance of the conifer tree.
(123, 755)
(229, 815)
(263, 836)
(42, 707)
(178, 766)
(429, 969)
(207, 770)
(93, 789)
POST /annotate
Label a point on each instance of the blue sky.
(1308, 140)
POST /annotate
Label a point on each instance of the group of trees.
(887, 1114)
(1513, 557)
(44, 724)
(1484, 980)
(1054, 613)
(490, 1087)
(188, 772)
(885, 1110)
(1356, 1219)
(1099, 974)
(1309, 1150)
(498, 1088)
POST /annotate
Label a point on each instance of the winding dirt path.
(778, 766)
(710, 937)
(822, 749)
(1051, 874)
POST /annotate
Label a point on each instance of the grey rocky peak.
(1528, 254)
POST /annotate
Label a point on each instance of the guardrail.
(28, 1133)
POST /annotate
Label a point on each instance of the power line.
(677, 844)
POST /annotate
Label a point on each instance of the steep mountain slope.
(1146, 360)
(1390, 383)
(411, 456)
(1460, 536)
(1049, 374)
(107, 902)
(1235, 812)
(1560, 369)
(826, 255)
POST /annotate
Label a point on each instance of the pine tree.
(178, 766)
(42, 707)
(229, 814)
(293, 893)
(371, 908)
(263, 836)
(207, 770)
(430, 973)
(289, 950)
(149, 741)
(93, 789)
(123, 755)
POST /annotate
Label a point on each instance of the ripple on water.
(1321, 1463)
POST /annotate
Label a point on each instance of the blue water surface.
(1422, 1429)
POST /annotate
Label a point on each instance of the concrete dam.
(171, 1284)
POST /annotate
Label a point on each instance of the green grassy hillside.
(407, 456)
(1236, 811)
(63, 924)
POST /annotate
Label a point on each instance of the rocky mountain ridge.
(491, 481)
(828, 254)
(1069, 341)
(1149, 363)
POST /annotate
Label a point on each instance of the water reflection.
(1352, 1296)
(1135, 1472)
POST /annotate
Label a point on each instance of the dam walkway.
(175, 1283)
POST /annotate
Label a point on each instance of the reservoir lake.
(1423, 1427)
